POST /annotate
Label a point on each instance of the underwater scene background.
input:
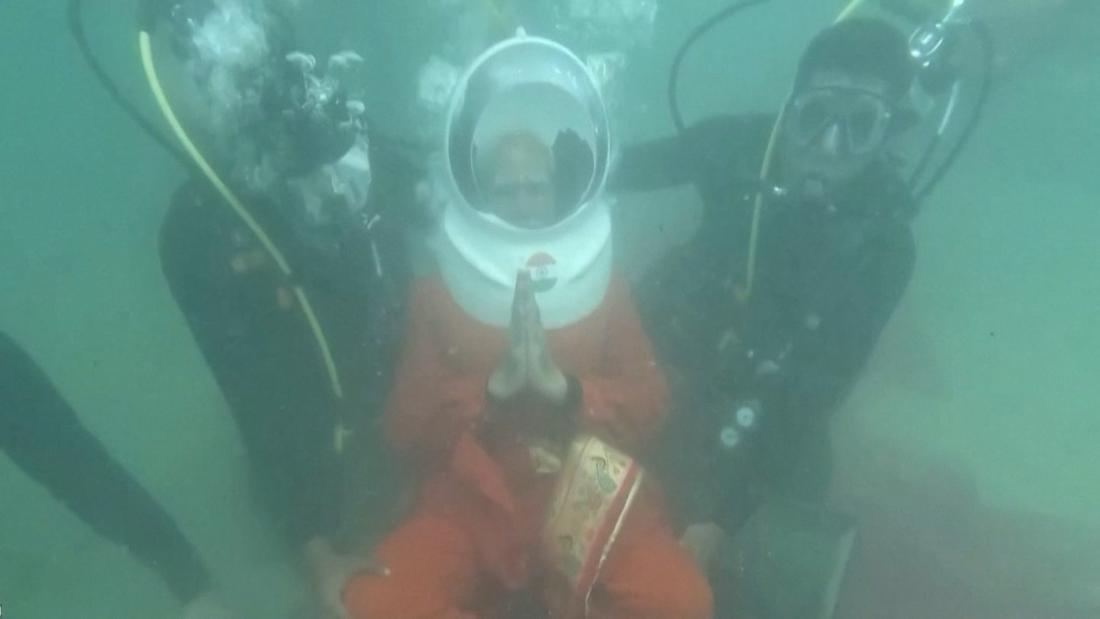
(967, 450)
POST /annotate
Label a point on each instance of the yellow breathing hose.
(848, 10)
(758, 206)
(745, 293)
(238, 207)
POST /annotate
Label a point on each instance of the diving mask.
(861, 117)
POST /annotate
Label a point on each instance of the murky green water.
(967, 448)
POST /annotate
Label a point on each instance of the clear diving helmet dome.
(533, 95)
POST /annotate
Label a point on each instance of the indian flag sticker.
(543, 270)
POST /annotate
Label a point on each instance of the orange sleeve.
(432, 405)
(626, 400)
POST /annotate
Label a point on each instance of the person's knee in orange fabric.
(432, 574)
(653, 578)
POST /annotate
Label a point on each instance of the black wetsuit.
(829, 276)
(263, 354)
(42, 435)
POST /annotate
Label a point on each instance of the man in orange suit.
(486, 413)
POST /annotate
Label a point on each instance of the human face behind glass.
(521, 188)
(835, 126)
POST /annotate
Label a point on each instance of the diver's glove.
(573, 165)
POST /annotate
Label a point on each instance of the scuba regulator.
(935, 47)
(930, 47)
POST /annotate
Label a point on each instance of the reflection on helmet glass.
(863, 118)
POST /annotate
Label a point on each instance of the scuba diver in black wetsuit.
(766, 317)
(835, 250)
(305, 445)
(287, 258)
(42, 435)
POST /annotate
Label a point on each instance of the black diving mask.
(861, 117)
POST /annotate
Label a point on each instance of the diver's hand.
(573, 162)
(544, 376)
(511, 375)
(207, 606)
(703, 541)
(331, 572)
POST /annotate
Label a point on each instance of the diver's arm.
(715, 150)
(652, 165)
(42, 435)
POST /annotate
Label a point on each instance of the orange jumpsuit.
(473, 533)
